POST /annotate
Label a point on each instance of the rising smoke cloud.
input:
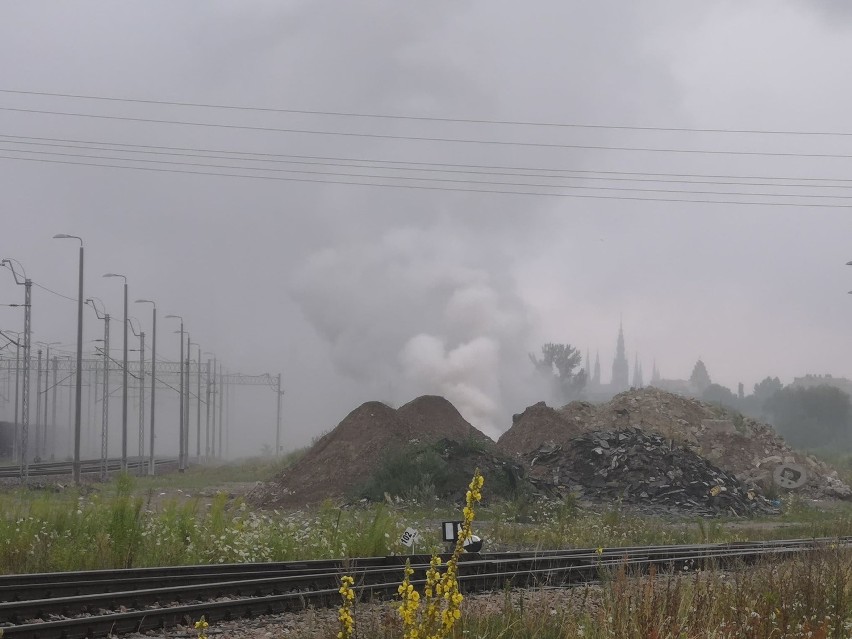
(412, 310)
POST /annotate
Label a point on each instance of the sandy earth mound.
(349, 453)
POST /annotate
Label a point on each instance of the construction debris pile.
(746, 449)
(634, 467)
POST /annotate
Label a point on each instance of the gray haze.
(356, 293)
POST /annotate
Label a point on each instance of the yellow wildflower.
(201, 626)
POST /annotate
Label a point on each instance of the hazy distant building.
(809, 381)
(595, 389)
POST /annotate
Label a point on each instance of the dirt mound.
(345, 453)
(540, 423)
(349, 454)
(437, 418)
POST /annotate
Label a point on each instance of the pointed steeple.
(655, 373)
(620, 367)
(596, 378)
(637, 372)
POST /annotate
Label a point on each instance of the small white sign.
(409, 537)
(450, 530)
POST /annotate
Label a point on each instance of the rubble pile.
(636, 467)
(740, 445)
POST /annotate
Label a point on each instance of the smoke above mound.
(413, 311)
(351, 453)
(437, 418)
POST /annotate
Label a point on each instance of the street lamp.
(198, 402)
(46, 389)
(79, 380)
(105, 402)
(123, 379)
(210, 433)
(141, 335)
(153, 381)
(181, 422)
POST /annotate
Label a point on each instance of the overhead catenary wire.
(422, 118)
(432, 179)
(424, 138)
(552, 173)
(422, 187)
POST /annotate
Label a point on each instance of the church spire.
(596, 378)
(620, 367)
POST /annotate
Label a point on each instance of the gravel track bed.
(373, 618)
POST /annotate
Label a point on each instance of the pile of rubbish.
(634, 467)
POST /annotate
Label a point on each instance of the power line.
(583, 172)
(423, 138)
(551, 173)
(73, 299)
(434, 188)
(433, 179)
(420, 118)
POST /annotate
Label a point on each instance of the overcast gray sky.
(358, 292)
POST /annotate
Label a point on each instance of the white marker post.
(409, 538)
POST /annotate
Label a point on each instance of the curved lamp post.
(79, 379)
(123, 379)
(181, 421)
(153, 381)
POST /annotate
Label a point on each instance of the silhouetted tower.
(655, 374)
(620, 367)
(637, 373)
(596, 378)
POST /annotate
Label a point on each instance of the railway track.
(97, 603)
(88, 466)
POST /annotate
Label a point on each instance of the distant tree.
(766, 389)
(700, 378)
(815, 417)
(558, 364)
(718, 394)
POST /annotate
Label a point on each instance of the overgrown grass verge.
(808, 596)
(122, 526)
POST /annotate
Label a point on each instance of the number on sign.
(409, 537)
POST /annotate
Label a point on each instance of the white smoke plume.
(413, 311)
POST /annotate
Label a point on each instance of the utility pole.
(221, 402)
(278, 419)
(141, 402)
(53, 411)
(105, 404)
(198, 409)
(25, 394)
(207, 418)
(215, 384)
(187, 404)
(38, 406)
(17, 443)
(181, 423)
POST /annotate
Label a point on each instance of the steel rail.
(66, 584)
(46, 469)
(320, 588)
